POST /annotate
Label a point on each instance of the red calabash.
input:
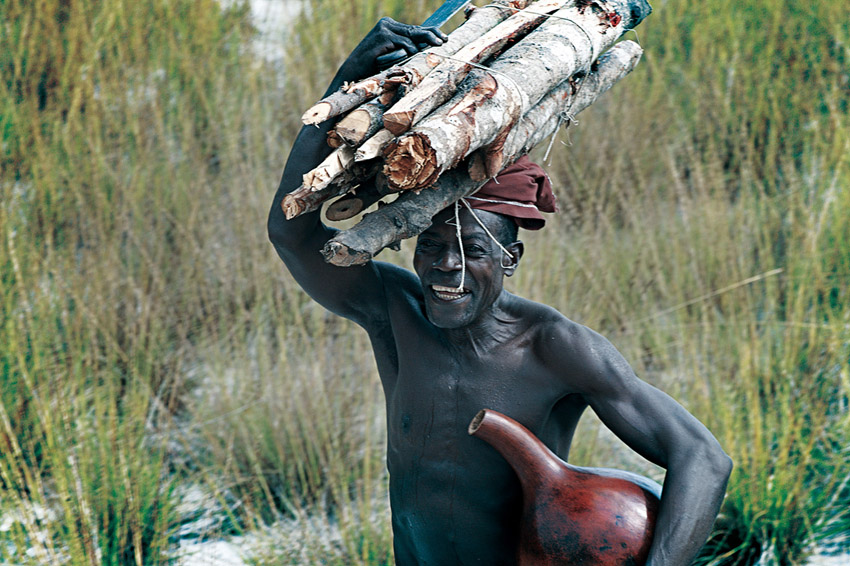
(571, 515)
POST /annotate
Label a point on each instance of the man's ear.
(509, 264)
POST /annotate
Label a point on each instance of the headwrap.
(521, 191)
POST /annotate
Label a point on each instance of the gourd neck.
(532, 461)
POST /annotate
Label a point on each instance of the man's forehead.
(444, 223)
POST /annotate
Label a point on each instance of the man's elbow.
(716, 462)
(274, 226)
(281, 235)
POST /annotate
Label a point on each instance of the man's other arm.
(653, 424)
(351, 292)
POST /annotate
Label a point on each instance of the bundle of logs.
(436, 127)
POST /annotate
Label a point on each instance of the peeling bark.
(567, 43)
(411, 213)
(411, 72)
(441, 83)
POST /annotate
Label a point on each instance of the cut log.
(564, 45)
(404, 218)
(412, 71)
(416, 160)
(411, 213)
(306, 199)
(353, 94)
(441, 83)
(352, 204)
(558, 108)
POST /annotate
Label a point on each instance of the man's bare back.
(449, 341)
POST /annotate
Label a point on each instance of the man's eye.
(475, 250)
(426, 244)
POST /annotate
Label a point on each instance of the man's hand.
(387, 36)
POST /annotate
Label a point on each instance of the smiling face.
(438, 263)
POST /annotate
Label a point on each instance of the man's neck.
(495, 327)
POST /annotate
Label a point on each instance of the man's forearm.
(693, 491)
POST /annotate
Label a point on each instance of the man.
(449, 341)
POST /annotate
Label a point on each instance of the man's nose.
(449, 260)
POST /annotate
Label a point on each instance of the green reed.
(151, 338)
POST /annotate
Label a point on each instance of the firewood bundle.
(436, 127)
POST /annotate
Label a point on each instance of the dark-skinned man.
(449, 341)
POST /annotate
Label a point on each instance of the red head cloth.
(521, 191)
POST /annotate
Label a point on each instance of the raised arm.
(662, 431)
(352, 292)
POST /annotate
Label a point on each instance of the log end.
(291, 207)
(410, 163)
(344, 208)
(398, 122)
(316, 114)
(339, 254)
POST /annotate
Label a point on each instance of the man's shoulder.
(549, 323)
(397, 279)
(559, 339)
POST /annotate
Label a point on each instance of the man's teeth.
(448, 293)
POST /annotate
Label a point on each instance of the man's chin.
(446, 316)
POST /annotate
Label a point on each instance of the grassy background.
(153, 347)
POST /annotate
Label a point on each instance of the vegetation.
(152, 343)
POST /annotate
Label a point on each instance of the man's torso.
(454, 498)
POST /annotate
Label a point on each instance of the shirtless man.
(444, 354)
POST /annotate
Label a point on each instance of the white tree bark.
(411, 72)
(411, 213)
(558, 107)
(567, 43)
(441, 83)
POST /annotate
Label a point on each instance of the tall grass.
(151, 340)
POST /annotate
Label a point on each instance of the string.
(460, 245)
(509, 78)
(480, 223)
(575, 23)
